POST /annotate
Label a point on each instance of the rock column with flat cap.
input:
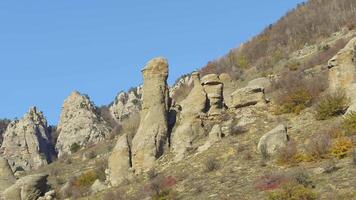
(150, 139)
(214, 89)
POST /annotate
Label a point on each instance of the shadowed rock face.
(79, 124)
(189, 126)
(342, 70)
(29, 187)
(149, 141)
(6, 176)
(27, 142)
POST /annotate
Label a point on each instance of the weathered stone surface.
(150, 139)
(248, 96)
(7, 178)
(125, 104)
(272, 141)
(214, 89)
(189, 126)
(119, 162)
(98, 186)
(351, 109)
(342, 70)
(27, 142)
(214, 136)
(260, 82)
(79, 124)
(229, 87)
(27, 188)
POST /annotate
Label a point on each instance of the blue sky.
(50, 48)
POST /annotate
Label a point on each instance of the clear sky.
(49, 48)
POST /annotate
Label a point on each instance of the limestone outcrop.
(214, 90)
(119, 162)
(248, 96)
(150, 139)
(342, 70)
(27, 142)
(125, 104)
(27, 188)
(6, 176)
(189, 125)
(272, 141)
(80, 124)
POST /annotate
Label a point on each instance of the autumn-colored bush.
(332, 105)
(161, 187)
(341, 147)
(349, 124)
(270, 181)
(292, 191)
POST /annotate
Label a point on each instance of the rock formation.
(272, 141)
(6, 176)
(342, 70)
(79, 124)
(150, 139)
(27, 188)
(27, 142)
(119, 162)
(214, 89)
(189, 126)
(125, 104)
(247, 96)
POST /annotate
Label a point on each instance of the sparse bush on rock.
(341, 147)
(349, 124)
(332, 105)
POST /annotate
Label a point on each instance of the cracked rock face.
(27, 142)
(214, 89)
(149, 141)
(125, 104)
(79, 124)
(342, 70)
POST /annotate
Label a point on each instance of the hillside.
(274, 119)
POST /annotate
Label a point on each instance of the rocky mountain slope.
(234, 130)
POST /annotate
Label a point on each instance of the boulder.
(214, 90)
(272, 141)
(125, 104)
(189, 126)
(248, 96)
(27, 142)
(151, 136)
(119, 162)
(79, 124)
(229, 87)
(27, 188)
(342, 70)
(7, 178)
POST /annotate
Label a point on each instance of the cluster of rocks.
(125, 104)
(166, 125)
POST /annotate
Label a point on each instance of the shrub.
(160, 188)
(287, 154)
(318, 147)
(270, 181)
(332, 105)
(86, 179)
(349, 124)
(74, 148)
(292, 191)
(211, 164)
(295, 92)
(341, 147)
